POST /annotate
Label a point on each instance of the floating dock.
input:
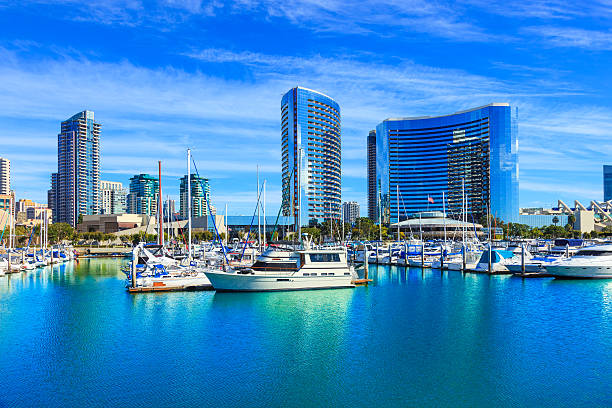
(164, 288)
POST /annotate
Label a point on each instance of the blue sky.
(162, 76)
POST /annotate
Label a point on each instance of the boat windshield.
(324, 257)
(589, 252)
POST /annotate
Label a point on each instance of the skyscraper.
(473, 151)
(52, 196)
(5, 176)
(607, 182)
(76, 185)
(144, 195)
(200, 196)
(113, 197)
(310, 123)
(371, 147)
(350, 211)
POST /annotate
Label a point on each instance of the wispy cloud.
(572, 37)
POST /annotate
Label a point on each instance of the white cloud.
(572, 37)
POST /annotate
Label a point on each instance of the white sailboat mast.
(189, 200)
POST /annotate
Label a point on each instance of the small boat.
(498, 257)
(159, 272)
(593, 262)
(277, 270)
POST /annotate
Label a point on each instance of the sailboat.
(156, 271)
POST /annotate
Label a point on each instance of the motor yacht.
(593, 262)
(286, 269)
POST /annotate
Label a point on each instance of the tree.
(555, 220)
(571, 220)
(60, 231)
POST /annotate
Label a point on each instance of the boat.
(279, 270)
(498, 257)
(593, 262)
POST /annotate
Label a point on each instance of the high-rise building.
(200, 196)
(5, 176)
(350, 211)
(607, 182)
(371, 147)
(52, 196)
(144, 195)
(113, 197)
(23, 204)
(169, 209)
(310, 124)
(473, 151)
(76, 185)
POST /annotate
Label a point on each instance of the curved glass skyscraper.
(422, 158)
(310, 123)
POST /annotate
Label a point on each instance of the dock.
(164, 288)
(359, 282)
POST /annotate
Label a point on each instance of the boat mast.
(299, 197)
(379, 218)
(258, 213)
(398, 219)
(160, 210)
(444, 217)
(168, 218)
(189, 201)
(264, 214)
(463, 209)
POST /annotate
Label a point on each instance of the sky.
(163, 76)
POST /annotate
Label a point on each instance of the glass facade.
(372, 207)
(420, 159)
(310, 121)
(144, 195)
(607, 182)
(78, 169)
(200, 195)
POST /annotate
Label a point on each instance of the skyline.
(171, 78)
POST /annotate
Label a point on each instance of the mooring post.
(490, 253)
(365, 262)
(522, 257)
(422, 255)
(134, 262)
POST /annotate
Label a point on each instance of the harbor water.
(71, 336)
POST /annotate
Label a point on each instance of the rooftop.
(450, 114)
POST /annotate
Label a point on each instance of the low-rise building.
(112, 223)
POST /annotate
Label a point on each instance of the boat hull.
(580, 272)
(231, 282)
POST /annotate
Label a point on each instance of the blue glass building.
(76, 186)
(607, 182)
(200, 196)
(144, 195)
(310, 122)
(425, 157)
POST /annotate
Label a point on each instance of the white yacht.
(588, 263)
(281, 269)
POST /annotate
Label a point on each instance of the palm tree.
(555, 220)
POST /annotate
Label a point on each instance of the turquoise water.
(72, 337)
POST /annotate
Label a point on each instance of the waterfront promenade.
(71, 336)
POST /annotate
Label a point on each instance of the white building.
(350, 210)
(112, 197)
(5, 176)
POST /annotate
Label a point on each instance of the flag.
(429, 199)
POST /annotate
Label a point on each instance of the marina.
(417, 337)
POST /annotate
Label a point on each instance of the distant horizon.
(163, 77)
